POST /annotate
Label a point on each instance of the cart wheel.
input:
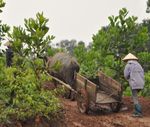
(115, 107)
(72, 96)
(82, 101)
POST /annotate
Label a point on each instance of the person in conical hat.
(134, 74)
(129, 57)
(9, 53)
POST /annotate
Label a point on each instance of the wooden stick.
(63, 83)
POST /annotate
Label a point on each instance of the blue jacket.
(134, 73)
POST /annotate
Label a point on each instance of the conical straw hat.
(8, 43)
(130, 57)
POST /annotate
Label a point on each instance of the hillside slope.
(100, 119)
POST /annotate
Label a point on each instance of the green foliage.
(123, 35)
(146, 91)
(148, 6)
(127, 92)
(3, 27)
(2, 4)
(51, 51)
(144, 58)
(22, 95)
(80, 52)
(56, 67)
(32, 41)
(87, 60)
(2, 59)
(111, 44)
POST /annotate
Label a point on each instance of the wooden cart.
(106, 94)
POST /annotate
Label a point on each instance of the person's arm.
(127, 72)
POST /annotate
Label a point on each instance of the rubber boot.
(138, 111)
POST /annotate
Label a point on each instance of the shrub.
(146, 90)
(22, 96)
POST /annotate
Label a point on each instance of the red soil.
(73, 118)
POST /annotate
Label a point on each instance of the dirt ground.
(73, 118)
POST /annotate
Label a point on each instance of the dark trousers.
(135, 96)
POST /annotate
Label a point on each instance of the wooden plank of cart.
(106, 94)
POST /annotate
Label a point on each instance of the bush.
(22, 96)
(146, 91)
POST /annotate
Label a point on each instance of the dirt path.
(98, 119)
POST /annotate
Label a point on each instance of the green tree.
(4, 28)
(148, 6)
(123, 35)
(67, 46)
(22, 95)
(80, 52)
(144, 56)
(32, 40)
(87, 59)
